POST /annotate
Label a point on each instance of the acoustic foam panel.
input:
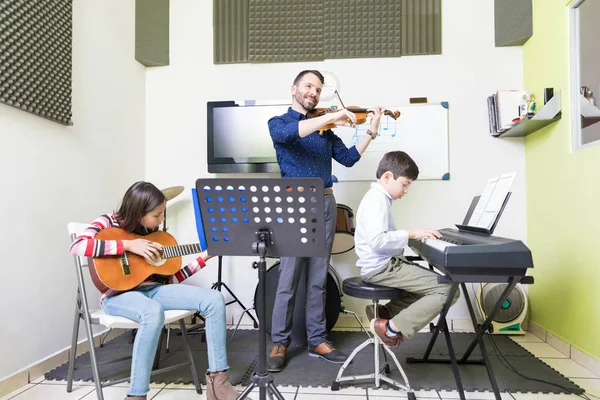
(230, 31)
(362, 31)
(152, 32)
(513, 22)
(36, 57)
(286, 30)
(421, 27)
(312, 30)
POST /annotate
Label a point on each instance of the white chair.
(97, 316)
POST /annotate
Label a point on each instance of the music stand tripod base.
(265, 217)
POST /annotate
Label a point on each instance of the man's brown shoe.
(326, 351)
(276, 360)
(382, 312)
(379, 327)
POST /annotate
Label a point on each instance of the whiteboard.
(421, 131)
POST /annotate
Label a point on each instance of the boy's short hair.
(399, 164)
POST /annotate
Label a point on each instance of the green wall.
(563, 196)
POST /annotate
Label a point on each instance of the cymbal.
(172, 192)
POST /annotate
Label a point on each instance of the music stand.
(265, 217)
(219, 283)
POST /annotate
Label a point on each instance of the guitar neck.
(181, 250)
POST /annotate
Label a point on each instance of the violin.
(361, 114)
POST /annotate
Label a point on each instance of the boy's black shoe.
(327, 352)
(382, 312)
(276, 360)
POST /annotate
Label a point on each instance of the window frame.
(575, 72)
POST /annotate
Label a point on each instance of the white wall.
(469, 69)
(53, 174)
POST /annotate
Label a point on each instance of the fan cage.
(511, 308)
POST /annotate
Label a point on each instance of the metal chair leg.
(191, 357)
(168, 337)
(93, 359)
(73, 350)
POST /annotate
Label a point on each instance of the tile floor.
(42, 389)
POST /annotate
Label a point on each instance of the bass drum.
(343, 240)
(333, 302)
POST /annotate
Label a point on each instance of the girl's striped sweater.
(85, 245)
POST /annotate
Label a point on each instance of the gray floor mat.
(304, 370)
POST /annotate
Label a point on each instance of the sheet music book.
(490, 203)
(199, 225)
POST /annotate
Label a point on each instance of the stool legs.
(380, 372)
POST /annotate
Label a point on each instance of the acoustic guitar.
(128, 270)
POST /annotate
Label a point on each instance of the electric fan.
(512, 310)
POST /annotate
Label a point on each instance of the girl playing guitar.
(141, 212)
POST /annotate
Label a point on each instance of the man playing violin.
(305, 150)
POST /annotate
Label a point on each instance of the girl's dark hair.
(309, 71)
(399, 164)
(139, 200)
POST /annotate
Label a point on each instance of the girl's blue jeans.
(146, 306)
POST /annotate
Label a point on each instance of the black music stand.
(464, 227)
(219, 284)
(264, 217)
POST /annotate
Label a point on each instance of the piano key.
(438, 244)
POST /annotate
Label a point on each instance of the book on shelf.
(492, 118)
(504, 106)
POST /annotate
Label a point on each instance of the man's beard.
(305, 102)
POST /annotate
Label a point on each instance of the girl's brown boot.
(218, 387)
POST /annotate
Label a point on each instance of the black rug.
(303, 370)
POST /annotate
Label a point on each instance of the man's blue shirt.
(311, 155)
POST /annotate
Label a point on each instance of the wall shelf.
(590, 114)
(550, 113)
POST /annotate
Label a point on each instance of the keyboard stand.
(442, 326)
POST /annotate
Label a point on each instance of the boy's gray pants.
(422, 300)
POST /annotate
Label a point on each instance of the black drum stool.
(356, 287)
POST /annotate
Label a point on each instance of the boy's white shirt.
(376, 238)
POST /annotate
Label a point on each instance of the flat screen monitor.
(238, 139)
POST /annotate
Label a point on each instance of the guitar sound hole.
(159, 262)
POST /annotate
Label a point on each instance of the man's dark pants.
(316, 279)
